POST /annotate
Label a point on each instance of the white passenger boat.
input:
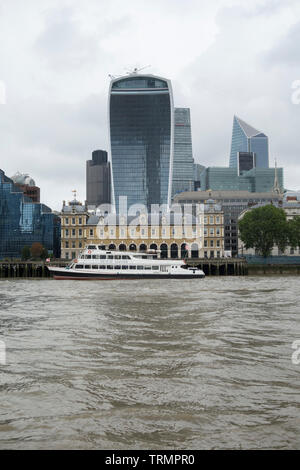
(96, 263)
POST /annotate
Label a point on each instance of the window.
(218, 243)
(218, 232)
(132, 267)
(80, 245)
(211, 232)
(124, 267)
(211, 243)
(80, 221)
(205, 243)
(73, 221)
(211, 220)
(67, 232)
(67, 255)
(67, 220)
(110, 257)
(217, 219)
(67, 244)
(79, 266)
(88, 257)
(117, 267)
(80, 232)
(163, 269)
(155, 268)
(73, 232)
(110, 267)
(102, 256)
(147, 267)
(73, 245)
(91, 232)
(140, 267)
(87, 266)
(94, 266)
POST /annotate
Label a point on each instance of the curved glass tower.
(141, 128)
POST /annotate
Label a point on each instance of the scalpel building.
(141, 131)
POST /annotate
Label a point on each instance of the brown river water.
(178, 364)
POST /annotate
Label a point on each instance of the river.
(176, 364)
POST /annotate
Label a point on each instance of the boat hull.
(67, 275)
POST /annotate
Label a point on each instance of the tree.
(264, 227)
(36, 250)
(294, 232)
(25, 252)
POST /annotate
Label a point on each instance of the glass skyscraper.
(246, 138)
(23, 222)
(183, 166)
(141, 125)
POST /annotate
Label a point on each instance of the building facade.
(246, 138)
(24, 222)
(232, 203)
(27, 186)
(183, 165)
(98, 185)
(74, 216)
(141, 131)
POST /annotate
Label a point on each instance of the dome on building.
(23, 178)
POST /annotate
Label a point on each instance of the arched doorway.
(164, 251)
(143, 247)
(132, 247)
(122, 247)
(153, 246)
(174, 251)
(112, 246)
(183, 251)
(194, 250)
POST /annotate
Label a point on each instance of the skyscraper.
(246, 138)
(98, 179)
(141, 127)
(183, 166)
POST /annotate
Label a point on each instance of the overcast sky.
(223, 57)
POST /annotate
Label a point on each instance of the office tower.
(198, 169)
(246, 161)
(98, 186)
(24, 222)
(228, 179)
(246, 138)
(183, 165)
(141, 126)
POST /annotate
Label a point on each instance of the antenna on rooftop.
(136, 70)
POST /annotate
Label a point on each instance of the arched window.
(164, 250)
(174, 251)
(132, 247)
(112, 246)
(183, 251)
(122, 247)
(143, 247)
(153, 246)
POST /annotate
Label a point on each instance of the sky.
(223, 58)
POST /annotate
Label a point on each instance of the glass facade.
(246, 138)
(183, 165)
(141, 140)
(23, 222)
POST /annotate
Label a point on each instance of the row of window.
(72, 232)
(106, 257)
(139, 268)
(211, 243)
(73, 221)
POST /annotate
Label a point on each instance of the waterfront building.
(229, 179)
(183, 165)
(74, 216)
(24, 222)
(232, 204)
(172, 235)
(141, 131)
(246, 138)
(27, 186)
(98, 186)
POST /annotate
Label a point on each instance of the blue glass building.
(183, 165)
(246, 138)
(23, 222)
(141, 125)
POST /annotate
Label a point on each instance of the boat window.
(125, 257)
(155, 268)
(94, 256)
(163, 269)
(144, 257)
(117, 257)
(102, 267)
(147, 267)
(110, 267)
(140, 267)
(110, 257)
(92, 247)
(79, 266)
(117, 267)
(88, 257)
(94, 266)
(132, 267)
(102, 256)
(124, 267)
(87, 266)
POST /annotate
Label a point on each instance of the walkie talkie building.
(141, 131)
